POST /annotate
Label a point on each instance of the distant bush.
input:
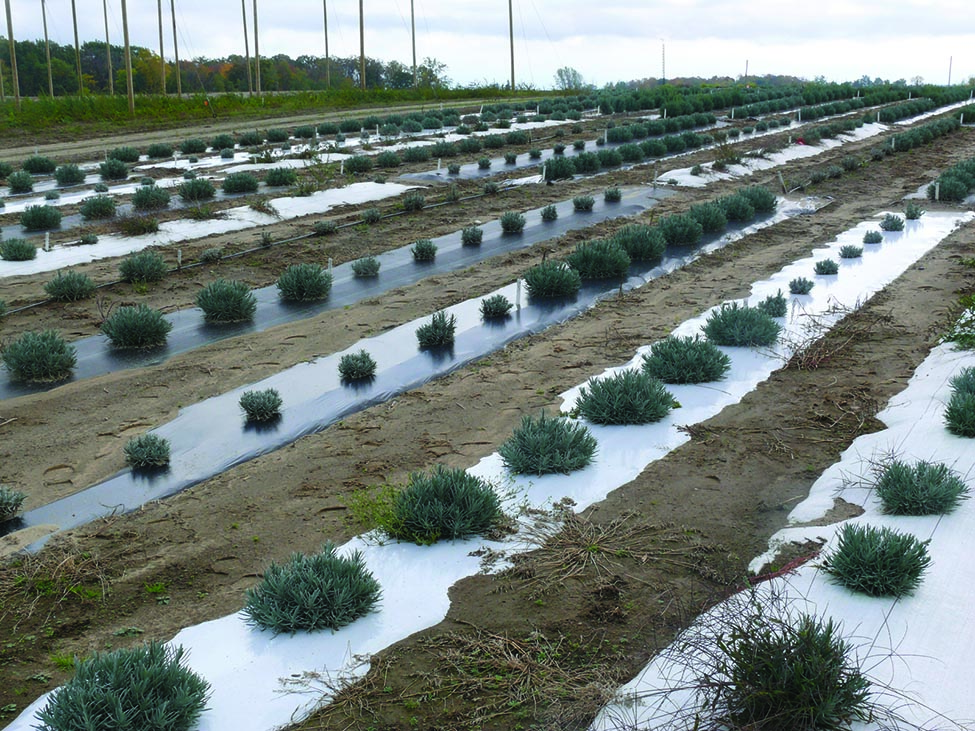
(873, 237)
(680, 230)
(5, 170)
(240, 183)
(826, 267)
(113, 170)
(17, 250)
(143, 266)
(535, 154)
(279, 177)
(147, 451)
(851, 252)
(642, 243)
(138, 225)
(124, 154)
(549, 213)
(710, 215)
(193, 146)
(198, 189)
(20, 182)
(70, 286)
(913, 211)
(774, 305)
(512, 222)
(138, 326)
(128, 690)
(740, 325)
(892, 222)
(372, 215)
(737, 208)
(495, 307)
(304, 283)
(10, 502)
(261, 406)
(490, 188)
(36, 357)
(682, 360)
(388, 159)
(39, 218)
(424, 250)
(358, 164)
(471, 236)
(960, 413)
(548, 445)
(150, 198)
(211, 256)
(357, 366)
(583, 203)
(877, 561)
(552, 279)
(366, 267)
(612, 195)
(629, 397)
(453, 168)
(924, 488)
(800, 285)
(69, 175)
(39, 165)
(88, 239)
(226, 301)
(316, 592)
(100, 187)
(160, 149)
(600, 259)
(437, 333)
(414, 201)
(559, 168)
(484, 163)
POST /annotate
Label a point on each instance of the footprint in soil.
(59, 474)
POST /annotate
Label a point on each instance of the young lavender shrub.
(484, 163)
(737, 208)
(17, 250)
(304, 283)
(680, 230)
(20, 182)
(471, 236)
(922, 488)
(599, 259)
(372, 215)
(357, 366)
(10, 502)
(52, 195)
(495, 307)
(198, 189)
(583, 203)
(40, 218)
(775, 305)
(113, 170)
(226, 300)
(40, 357)
(512, 222)
(70, 286)
(453, 168)
(261, 406)
(892, 222)
(240, 183)
(682, 360)
(826, 267)
(193, 146)
(413, 201)
(761, 198)
(150, 198)
(424, 250)
(143, 266)
(628, 397)
(160, 149)
(710, 215)
(552, 280)
(280, 177)
(548, 445)
(437, 333)
(800, 285)
(39, 165)
(612, 195)
(366, 267)
(740, 325)
(444, 504)
(877, 561)
(960, 412)
(510, 158)
(125, 154)
(128, 690)
(146, 451)
(913, 211)
(873, 237)
(535, 154)
(642, 243)
(138, 326)
(550, 213)
(490, 188)
(69, 175)
(312, 592)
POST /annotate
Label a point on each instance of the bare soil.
(534, 648)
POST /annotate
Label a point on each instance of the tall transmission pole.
(128, 58)
(257, 54)
(179, 76)
(108, 51)
(362, 49)
(13, 56)
(511, 39)
(47, 50)
(413, 34)
(162, 51)
(663, 61)
(77, 48)
(3, 93)
(247, 49)
(328, 60)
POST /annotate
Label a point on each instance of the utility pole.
(179, 77)
(413, 33)
(13, 56)
(511, 39)
(328, 61)
(47, 50)
(128, 58)
(108, 51)
(77, 48)
(162, 52)
(663, 62)
(950, 59)
(3, 93)
(362, 49)
(257, 53)
(247, 49)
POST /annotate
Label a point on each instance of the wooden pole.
(108, 51)
(511, 38)
(413, 34)
(257, 54)
(128, 58)
(362, 48)
(77, 48)
(162, 51)
(3, 93)
(47, 50)
(247, 49)
(328, 60)
(13, 56)
(179, 75)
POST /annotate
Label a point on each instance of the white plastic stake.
(799, 117)
(937, 190)
(543, 172)
(606, 135)
(962, 118)
(438, 164)
(893, 143)
(330, 266)
(377, 130)
(341, 167)
(179, 258)
(518, 295)
(878, 117)
(732, 112)
(47, 241)
(665, 112)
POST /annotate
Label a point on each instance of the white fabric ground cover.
(247, 667)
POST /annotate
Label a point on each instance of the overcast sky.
(606, 40)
